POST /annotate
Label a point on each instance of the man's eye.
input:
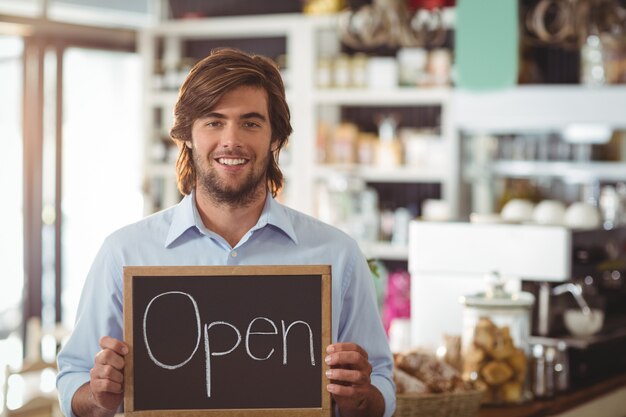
(251, 124)
(213, 124)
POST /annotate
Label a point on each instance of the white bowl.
(486, 218)
(580, 324)
(582, 216)
(549, 212)
(518, 210)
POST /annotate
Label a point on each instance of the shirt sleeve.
(99, 314)
(360, 323)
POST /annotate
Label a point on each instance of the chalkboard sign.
(227, 340)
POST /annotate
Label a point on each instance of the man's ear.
(274, 146)
(188, 144)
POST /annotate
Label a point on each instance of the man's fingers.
(349, 359)
(105, 386)
(108, 357)
(107, 372)
(117, 346)
(347, 347)
(349, 376)
(341, 390)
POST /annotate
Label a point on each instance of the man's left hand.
(350, 382)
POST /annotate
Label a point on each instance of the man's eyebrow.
(253, 115)
(250, 115)
(214, 115)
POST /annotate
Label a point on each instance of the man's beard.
(217, 189)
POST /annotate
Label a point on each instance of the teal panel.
(486, 44)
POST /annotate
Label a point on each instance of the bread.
(407, 383)
(511, 392)
(496, 372)
(436, 374)
(493, 361)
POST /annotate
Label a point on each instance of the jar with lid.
(496, 331)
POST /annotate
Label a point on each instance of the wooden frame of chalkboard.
(219, 340)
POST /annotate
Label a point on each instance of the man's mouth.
(231, 161)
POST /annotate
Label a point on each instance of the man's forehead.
(246, 100)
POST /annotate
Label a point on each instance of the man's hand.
(107, 375)
(350, 381)
(105, 390)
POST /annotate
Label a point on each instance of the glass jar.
(496, 331)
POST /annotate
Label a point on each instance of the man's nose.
(229, 136)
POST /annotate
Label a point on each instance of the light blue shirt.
(177, 236)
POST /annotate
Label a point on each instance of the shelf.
(375, 97)
(385, 250)
(306, 39)
(539, 108)
(230, 27)
(572, 171)
(168, 98)
(378, 174)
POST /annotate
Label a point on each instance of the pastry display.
(432, 374)
(493, 361)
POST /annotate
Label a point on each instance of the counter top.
(560, 403)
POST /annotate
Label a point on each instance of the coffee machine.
(560, 266)
(597, 280)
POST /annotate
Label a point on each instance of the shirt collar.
(186, 216)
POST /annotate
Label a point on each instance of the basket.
(454, 404)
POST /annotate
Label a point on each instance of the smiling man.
(231, 121)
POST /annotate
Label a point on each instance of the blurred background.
(403, 110)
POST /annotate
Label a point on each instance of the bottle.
(550, 358)
(538, 372)
(561, 367)
(389, 150)
(324, 76)
(341, 72)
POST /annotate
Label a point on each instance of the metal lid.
(497, 297)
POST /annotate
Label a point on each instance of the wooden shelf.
(369, 173)
(377, 97)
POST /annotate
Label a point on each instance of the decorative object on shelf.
(394, 24)
(389, 151)
(596, 27)
(570, 22)
(412, 66)
(323, 6)
(582, 215)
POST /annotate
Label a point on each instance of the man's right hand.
(105, 391)
(107, 375)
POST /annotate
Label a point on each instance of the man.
(231, 121)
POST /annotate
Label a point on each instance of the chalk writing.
(145, 330)
(207, 344)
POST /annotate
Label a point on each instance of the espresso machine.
(565, 269)
(597, 283)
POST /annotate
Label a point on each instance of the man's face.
(231, 147)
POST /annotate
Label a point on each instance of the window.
(11, 218)
(102, 158)
(70, 170)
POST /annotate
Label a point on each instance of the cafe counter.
(603, 399)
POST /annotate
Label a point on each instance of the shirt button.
(233, 254)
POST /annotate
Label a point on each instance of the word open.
(205, 330)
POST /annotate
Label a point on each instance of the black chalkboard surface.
(227, 340)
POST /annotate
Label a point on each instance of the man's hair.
(208, 81)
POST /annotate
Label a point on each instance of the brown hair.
(217, 74)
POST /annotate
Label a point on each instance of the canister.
(496, 331)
